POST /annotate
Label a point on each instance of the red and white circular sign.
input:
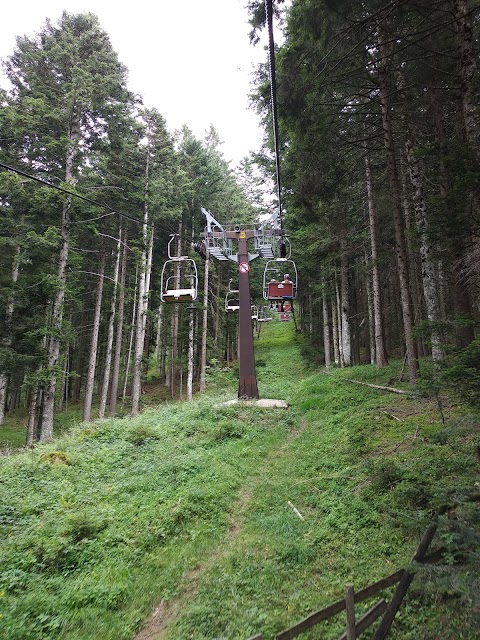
(244, 267)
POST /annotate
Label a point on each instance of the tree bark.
(158, 343)
(468, 70)
(175, 324)
(371, 312)
(190, 359)
(336, 351)
(111, 323)
(32, 423)
(90, 382)
(345, 307)
(470, 92)
(142, 304)
(428, 270)
(7, 338)
(53, 352)
(119, 332)
(203, 352)
(380, 350)
(130, 341)
(326, 326)
(338, 312)
(412, 253)
(400, 243)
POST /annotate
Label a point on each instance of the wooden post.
(350, 607)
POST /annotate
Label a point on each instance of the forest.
(378, 136)
(135, 502)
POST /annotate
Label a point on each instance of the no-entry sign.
(244, 267)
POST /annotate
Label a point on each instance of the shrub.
(464, 373)
(55, 457)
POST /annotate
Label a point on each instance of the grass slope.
(185, 511)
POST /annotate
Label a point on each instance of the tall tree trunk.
(468, 70)
(119, 332)
(175, 322)
(462, 303)
(345, 308)
(32, 423)
(428, 270)
(142, 304)
(337, 323)
(218, 308)
(203, 352)
(92, 362)
(53, 350)
(190, 359)
(470, 92)
(7, 337)
(62, 400)
(412, 253)
(326, 325)
(131, 339)
(400, 243)
(371, 313)
(159, 341)
(138, 341)
(380, 350)
(34, 405)
(111, 323)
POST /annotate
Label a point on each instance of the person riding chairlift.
(286, 280)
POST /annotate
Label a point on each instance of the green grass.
(188, 505)
(14, 430)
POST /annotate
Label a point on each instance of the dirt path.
(165, 612)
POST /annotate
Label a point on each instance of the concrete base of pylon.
(263, 403)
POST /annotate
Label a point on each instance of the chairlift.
(179, 279)
(280, 280)
(232, 299)
(262, 315)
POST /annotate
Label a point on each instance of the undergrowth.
(191, 505)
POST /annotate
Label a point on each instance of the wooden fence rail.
(402, 578)
(339, 606)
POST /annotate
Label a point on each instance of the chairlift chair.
(179, 279)
(280, 280)
(232, 299)
(262, 315)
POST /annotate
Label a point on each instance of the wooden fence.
(402, 578)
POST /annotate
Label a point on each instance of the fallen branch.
(295, 510)
(390, 415)
(378, 386)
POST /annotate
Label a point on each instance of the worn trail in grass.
(186, 511)
(362, 481)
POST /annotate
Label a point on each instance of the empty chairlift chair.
(263, 316)
(179, 280)
(232, 299)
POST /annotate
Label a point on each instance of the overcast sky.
(191, 59)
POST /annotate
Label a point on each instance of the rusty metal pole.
(247, 383)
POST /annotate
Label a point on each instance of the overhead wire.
(273, 99)
(74, 194)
